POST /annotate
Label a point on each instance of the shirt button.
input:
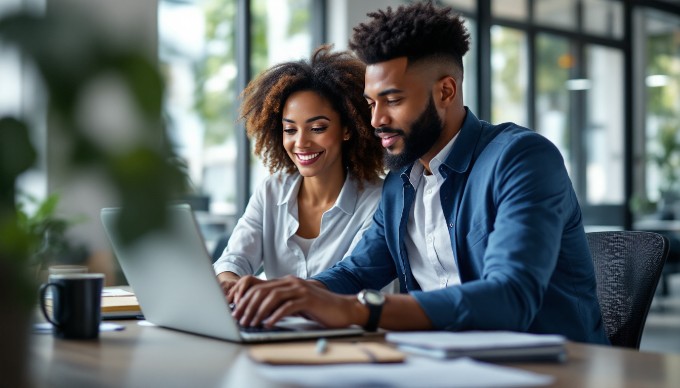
(429, 191)
(429, 238)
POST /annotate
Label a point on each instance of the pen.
(321, 346)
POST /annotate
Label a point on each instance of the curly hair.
(416, 31)
(337, 77)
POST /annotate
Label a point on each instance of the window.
(556, 13)
(281, 32)
(661, 85)
(470, 69)
(508, 75)
(603, 134)
(603, 17)
(201, 67)
(554, 63)
(509, 9)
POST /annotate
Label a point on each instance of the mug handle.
(43, 291)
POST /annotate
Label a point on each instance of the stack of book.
(119, 304)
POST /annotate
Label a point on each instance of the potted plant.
(667, 160)
(72, 54)
(48, 231)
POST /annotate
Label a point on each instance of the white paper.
(46, 327)
(414, 372)
(105, 292)
(472, 340)
(115, 292)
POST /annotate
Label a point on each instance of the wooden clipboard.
(336, 353)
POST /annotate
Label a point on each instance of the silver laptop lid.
(172, 275)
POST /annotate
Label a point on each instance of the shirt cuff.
(224, 266)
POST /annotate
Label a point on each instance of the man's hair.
(416, 31)
(337, 77)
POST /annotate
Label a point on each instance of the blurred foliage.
(641, 205)
(667, 156)
(46, 230)
(16, 156)
(71, 53)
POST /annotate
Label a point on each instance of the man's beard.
(425, 131)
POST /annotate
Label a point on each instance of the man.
(479, 222)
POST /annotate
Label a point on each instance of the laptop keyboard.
(259, 329)
(262, 329)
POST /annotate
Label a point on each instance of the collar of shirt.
(346, 201)
(418, 169)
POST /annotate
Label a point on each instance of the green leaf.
(16, 151)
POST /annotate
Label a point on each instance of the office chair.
(628, 266)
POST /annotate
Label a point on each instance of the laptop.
(172, 276)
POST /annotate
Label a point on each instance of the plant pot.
(15, 319)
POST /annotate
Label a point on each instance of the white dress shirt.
(428, 242)
(265, 233)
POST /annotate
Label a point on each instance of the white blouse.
(264, 234)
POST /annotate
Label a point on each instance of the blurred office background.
(599, 78)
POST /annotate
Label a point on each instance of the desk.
(156, 357)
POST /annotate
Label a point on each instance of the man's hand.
(227, 281)
(267, 302)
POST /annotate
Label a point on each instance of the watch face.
(374, 297)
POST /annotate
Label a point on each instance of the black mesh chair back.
(628, 266)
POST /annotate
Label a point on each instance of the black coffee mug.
(76, 304)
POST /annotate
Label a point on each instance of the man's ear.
(446, 91)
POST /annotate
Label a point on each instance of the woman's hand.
(239, 289)
(227, 281)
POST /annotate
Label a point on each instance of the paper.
(46, 327)
(105, 292)
(415, 372)
(116, 292)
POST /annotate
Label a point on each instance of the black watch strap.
(374, 303)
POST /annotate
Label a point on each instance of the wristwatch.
(374, 300)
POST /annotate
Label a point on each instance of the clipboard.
(336, 353)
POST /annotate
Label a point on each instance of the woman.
(312, 128)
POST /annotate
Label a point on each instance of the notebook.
(172, 276)
(482, 345)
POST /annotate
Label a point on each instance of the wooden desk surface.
(155, 357)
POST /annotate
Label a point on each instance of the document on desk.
(482, 345)
(415, 372)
